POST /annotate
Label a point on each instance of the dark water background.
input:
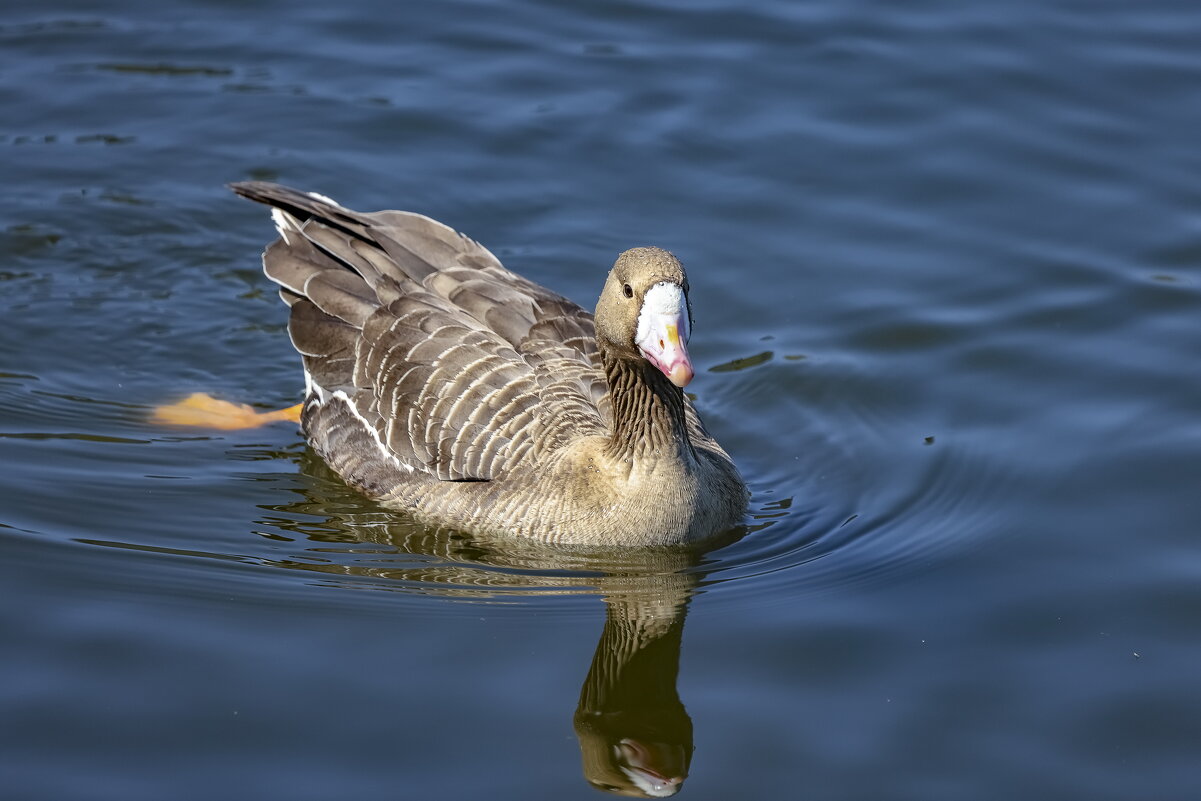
(946, 268)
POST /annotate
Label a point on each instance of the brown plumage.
(441, 383)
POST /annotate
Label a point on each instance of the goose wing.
(455, 367)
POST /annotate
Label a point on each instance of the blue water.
(946, 272)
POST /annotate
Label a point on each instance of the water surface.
(945, 269)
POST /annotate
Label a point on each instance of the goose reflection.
(634, 733)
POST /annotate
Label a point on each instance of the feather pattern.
(442, 383)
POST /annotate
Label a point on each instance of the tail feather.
(303, 206)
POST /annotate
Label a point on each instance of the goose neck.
(648, 410)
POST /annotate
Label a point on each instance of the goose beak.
(663, 344)
(657, 769)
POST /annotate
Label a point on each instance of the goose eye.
(629, 292)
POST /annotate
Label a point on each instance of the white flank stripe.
(379, 443)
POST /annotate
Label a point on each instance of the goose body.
(440, 383)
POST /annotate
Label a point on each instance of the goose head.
(643, 312)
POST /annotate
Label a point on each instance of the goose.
(440, 383)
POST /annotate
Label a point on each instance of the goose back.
(460, 368)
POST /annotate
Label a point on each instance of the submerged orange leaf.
(201, 410)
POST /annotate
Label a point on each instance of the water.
(944, 260)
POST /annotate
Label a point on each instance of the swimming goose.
(438, 382)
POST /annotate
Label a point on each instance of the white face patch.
(664, 299)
